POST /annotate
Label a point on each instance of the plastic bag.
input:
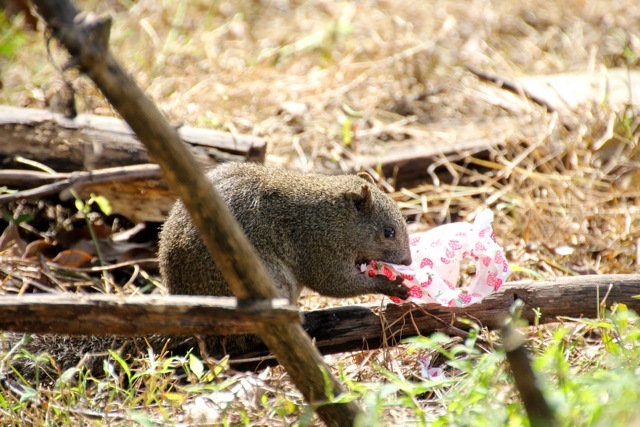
(437, 255)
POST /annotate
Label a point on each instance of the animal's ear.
(361, 199)
(366, 177)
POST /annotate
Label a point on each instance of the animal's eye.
(389, 232)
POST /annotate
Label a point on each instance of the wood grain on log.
(176, 315)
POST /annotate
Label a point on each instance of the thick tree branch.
(538, 410)
(176, 315)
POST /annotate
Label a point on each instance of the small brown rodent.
(309, 230)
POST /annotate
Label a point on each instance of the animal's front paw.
(401, 290)
(393, 288)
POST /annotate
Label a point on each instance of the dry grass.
(566, 200)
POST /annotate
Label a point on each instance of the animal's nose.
(406, 261)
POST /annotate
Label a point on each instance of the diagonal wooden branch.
(538, 410)
(86, 38)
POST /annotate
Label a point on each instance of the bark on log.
(352, 328)
(177, 315)
(86, 38)
(93, 142)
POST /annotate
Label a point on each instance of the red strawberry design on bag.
(428, 282)
(465, 299)
(455, 245)
(426, 262)
(409, 277)
(480, 247)
(388, 273)
(493, 281)
(415, 292)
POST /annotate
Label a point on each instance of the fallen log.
(416, 161)
(360, 327)
(176, 315)
(406, 164)
(335, 330)
(93, 142)
(89, 143)
(136, 192)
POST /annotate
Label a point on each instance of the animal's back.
(286, 216)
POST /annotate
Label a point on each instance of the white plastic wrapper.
(437, 254)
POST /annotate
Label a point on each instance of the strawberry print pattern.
(426, 262)
(437, 255)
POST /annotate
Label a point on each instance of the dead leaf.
(41, 247)
(11, 236)
(73, 258)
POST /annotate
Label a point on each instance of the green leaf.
(67, 376)
(141, 418)
(174, 397)
(80, 205)
(221, 365)
(103, 203)
(11, 37)
(196, 365)
(19, 219)
(347, 136)
(595, 323)
(29, 394)
(306, 417)
(123, 364)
